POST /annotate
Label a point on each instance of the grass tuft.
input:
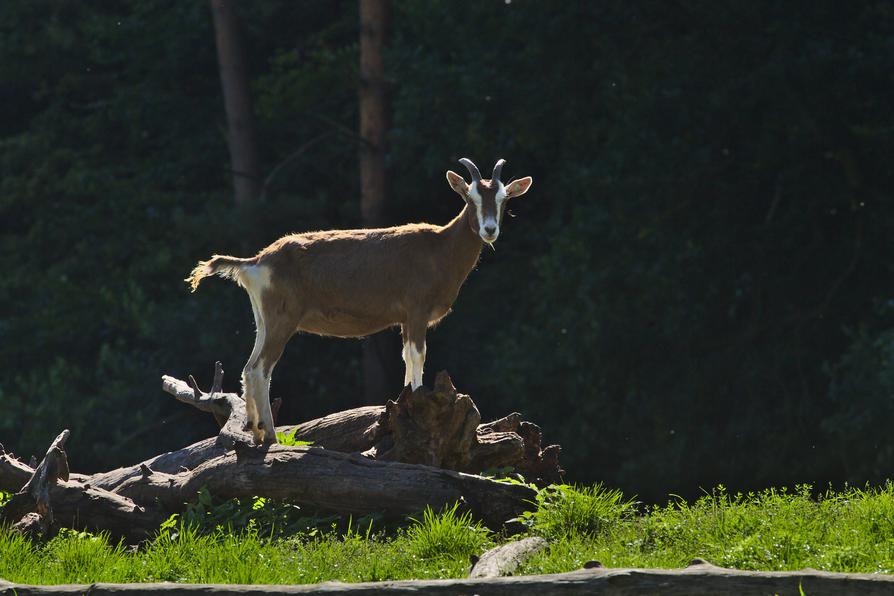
(564, 510)
(446, 535)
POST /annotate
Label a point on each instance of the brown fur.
(353, 283)
(349, 283)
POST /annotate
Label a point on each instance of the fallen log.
(397, 460)
(50, 500)
(437, 427)
(312, 477)
(694, 580)
(326, 480)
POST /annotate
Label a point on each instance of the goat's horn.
(473, 169)
(498, 168)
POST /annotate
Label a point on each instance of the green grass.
(852, 530)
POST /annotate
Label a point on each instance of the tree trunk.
(374, 17)
(241, 135)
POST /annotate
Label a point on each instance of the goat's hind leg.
(270, 341)
(256, 382)
(252, 381)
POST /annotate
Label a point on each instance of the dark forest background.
(699, 288)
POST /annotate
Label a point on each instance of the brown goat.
(353, 283)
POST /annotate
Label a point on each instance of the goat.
(353, 283)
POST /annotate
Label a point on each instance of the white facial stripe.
(501, 193)
(499, 197)
(476, 198)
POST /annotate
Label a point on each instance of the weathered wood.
(425, 431)
(695, 580)
(34, 496)
(52, 468)
(442, 427)
(308, 476)
(228, 409)
(14, 473)
(436, 427)
(432, 427)
(48, 501)
(84, 507)
(330, 481)
(505, 559)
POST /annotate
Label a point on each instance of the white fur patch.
(255, 279)
(476, 199)
(255, 384)
(500, 195)
(414, 360)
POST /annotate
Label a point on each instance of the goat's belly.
(344, 324)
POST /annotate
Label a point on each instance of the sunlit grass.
(771, 530)
(851, 530)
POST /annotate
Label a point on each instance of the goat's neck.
(463, 242)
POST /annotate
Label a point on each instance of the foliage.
(564, 510)
(268, 517)
(694, 291)
(289, 440)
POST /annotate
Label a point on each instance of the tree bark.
(241, 134)
(374, 20)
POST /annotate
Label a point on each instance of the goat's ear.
(457, 183)
(518, 187)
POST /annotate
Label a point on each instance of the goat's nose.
(491, 230)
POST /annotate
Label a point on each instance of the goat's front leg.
(413, 335)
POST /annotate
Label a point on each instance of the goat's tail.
(221, 265)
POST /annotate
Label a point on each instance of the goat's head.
(487, 198)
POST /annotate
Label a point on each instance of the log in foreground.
(696, 579)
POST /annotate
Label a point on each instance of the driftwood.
(697, 579)
(505, 559)
(396, 460)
